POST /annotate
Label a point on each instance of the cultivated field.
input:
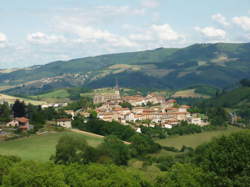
(39, 147)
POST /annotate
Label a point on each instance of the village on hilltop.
(152, 110)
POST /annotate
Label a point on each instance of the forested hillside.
(219, 65)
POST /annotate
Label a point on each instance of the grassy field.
(39, 147)
(12, 99)
(58, 94)
(189, 93)
(194, 140)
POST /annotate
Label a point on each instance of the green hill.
(216, 65)
(236, 98)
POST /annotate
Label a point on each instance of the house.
(108, 116)
(138, 117)
(138, 130)
(169, 103)
(197, 121)
(13, 123)
(122, 111)
(71, 113)
(130, 117)
(84, 114)
(138, 110)
(64, 122)
(155, 99)
(184, 108)
(136, 100)
(21, 122)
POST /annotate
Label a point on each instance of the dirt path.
(92, 134)
(87, 133)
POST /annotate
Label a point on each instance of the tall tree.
(19, 109)
(5, 112)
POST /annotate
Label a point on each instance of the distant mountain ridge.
(217, 65)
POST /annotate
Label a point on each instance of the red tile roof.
(171, 101)
(22, 120)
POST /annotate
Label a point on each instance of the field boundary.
(92, 134)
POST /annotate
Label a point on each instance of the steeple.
(116, 84)
(117, 89)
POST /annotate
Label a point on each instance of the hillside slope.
(217, 65)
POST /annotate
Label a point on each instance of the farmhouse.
(64, 122)
(22, 123)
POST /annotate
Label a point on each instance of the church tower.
(117, 90)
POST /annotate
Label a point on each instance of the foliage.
(165, 162)
(227, 159)
(5, 112)
(103, 127)
(82, 103)
(72, 149)
(154, 132)
(126, 105)
(182, 129)
(206, 90)
(245, 82)
(6, 162)
(184, 175)
(115, 149)
(141, 145)
(102, 175)
(29, 173)
(19, 109)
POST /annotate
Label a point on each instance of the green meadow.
(41, 147)
(193, 140)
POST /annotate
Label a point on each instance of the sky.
(38, 32)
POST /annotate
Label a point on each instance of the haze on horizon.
(38, 32)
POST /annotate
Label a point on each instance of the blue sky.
(39, 32)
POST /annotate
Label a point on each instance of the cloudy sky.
(37, 32)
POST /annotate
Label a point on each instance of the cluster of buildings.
(151, 110)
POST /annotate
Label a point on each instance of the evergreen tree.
(19, 109)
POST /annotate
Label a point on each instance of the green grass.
(61, 93)
(39, 148)
(194, 140)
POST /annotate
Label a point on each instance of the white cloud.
(3, 40)
(157, 33)
(90, 34)
(150, 3)
(211, 32)
(42, 38)
(165, 32)
(243, 22)
(220, 19)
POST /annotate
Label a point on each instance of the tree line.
(223, 162)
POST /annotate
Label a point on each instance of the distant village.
(152, 110)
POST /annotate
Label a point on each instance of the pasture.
(41, 147)
(193, 140)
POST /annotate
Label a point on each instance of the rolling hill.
(218, 65)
